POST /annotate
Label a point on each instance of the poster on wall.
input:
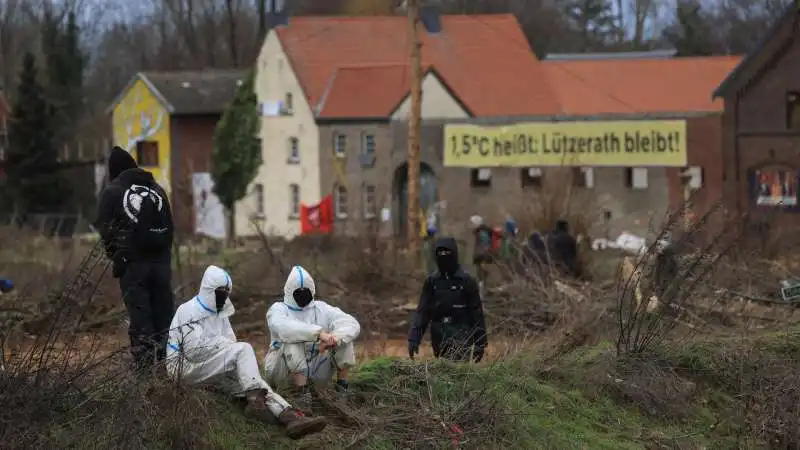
(209, 214)
(776, 186)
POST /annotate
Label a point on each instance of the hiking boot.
(342, 386)
(299, 425)
(257, 409)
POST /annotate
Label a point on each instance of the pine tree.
(692, 32)
(32, 166)
(65, 70)
(236, 155)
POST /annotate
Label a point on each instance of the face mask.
(221, 296)
(302, 297)
(446, 261)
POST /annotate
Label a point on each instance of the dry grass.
(687, 375)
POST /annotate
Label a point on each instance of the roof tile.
(365, 92)
(485, 59)
(674, 85)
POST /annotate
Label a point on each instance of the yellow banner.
(629, 143)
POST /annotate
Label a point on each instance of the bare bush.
(656, 292)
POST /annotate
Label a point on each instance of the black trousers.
(147, 292)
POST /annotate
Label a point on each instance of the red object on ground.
(456, 433)
(497, 238)
(317, 218)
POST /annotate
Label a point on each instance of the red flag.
(317, 218)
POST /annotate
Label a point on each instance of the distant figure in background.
(564, 250)
(6, 286)
(450, 302)
(510, 231)
(665, 266)
(536, 253)
(134, 220)
(482, 253)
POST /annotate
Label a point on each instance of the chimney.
(277, 13)
(431, 17)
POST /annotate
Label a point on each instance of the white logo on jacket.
(136, 195)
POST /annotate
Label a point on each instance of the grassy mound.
(720, 393)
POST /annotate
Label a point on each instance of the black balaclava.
(119, 161)
(221, 295)
(446, 255)
(302, 297)
(562, 226)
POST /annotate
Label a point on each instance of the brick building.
(639, 87)
(761, 124)
(601, 87)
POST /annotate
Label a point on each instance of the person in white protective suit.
(310, 339)
(203, 350)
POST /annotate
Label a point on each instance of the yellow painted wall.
(139, 116)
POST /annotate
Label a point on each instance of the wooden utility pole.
(413, 130)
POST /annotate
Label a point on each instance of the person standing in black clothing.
(135, 223)
(451, 303)
(564, 250)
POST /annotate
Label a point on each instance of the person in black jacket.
(564, 250)
(135, 223)
(451, 303)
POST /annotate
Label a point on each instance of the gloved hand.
(413, 349)
(477, 353)
(6, 285)
(118, 265)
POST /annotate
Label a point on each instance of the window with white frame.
(258, 199)
(531, 177)
(481, 177)
(694, 177)
(340, 202)
(368, 144)
(369, 202)
(340, 145)
(583, 177)
(294, 201)
(636, 177)
(294, 150)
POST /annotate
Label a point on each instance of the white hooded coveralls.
(294, 334)
(202, 347)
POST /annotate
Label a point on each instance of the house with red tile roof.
(653, 89)
(599, 87)
(329, 88)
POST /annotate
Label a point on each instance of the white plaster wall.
(275, 77)
(437, 103)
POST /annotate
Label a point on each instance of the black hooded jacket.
(112, 223)
(449, 295)
(564, 249)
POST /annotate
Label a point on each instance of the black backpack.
(151, 231)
